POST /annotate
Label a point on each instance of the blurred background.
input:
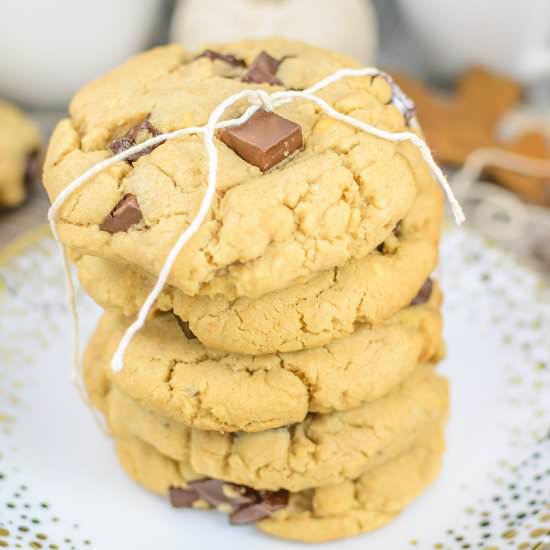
(478, 72)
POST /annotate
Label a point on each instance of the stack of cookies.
(286, 373)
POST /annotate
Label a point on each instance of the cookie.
(19, 144)
(178, 377)
(330, 305)
(532, 145)
(333, 199)
(321, 450)
(456, 126)
(316, 515)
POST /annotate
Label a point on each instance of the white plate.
(61, 486)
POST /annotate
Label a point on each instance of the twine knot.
(263, 100)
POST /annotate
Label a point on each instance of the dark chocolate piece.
(212, 490)
(129, 140)
(248, 505)
(32, 169)
(125, 214)
(424, 294)
(182, 498)
(396, 233)
(226, 57)
(184, 325)
(269, 502)
(263, 70)
(400, 99)
(264, 140)
(397, 228)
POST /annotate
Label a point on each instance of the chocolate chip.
(269, 502)
(396, 233)
(404, 104)
(210, 490)
(248, 505)
(182, 498)
(263, 70)
(129, 140)
(397, 228)
(424, 294)
(264, 140)
(217, 492)
(226, 57)
(184, 325)
(125, 214)
(32, 169)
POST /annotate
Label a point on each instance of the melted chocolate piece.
(182, 498)
(184, 325)
(400, 99)
(129, 140)
(397, 228)
(212, 490)
(270, 501)
(263, 70)
(264, 140)
(248, 505)
(226, 57)
(396, 232)
(125, 214)
(424, 294)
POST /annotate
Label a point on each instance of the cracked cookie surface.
(329, 305)
(19, 141)
(332, 202)
(320, 514)
(178, 377)
(321, 450)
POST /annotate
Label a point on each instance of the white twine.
(499, 212)
(259, 99)
(483, 157)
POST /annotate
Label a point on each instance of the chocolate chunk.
(125, 214)
(217, 492)
(129, 140)
(424, 294)
(264, 140)
(263, 70)
(182, 498)
(32, 169)
(396, 233)
(404, 104)
(226, 57)
(269, 502)
(397, 228)
(248, 505)
(184, 325)
(210, 490)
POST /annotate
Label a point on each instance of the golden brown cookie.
(316, 515)
(323, 449)
(532, 145)
(333, 201)
(178, 377)
(330, 305)
(19, 144)
(456, 126)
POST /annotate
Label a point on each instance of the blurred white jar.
(49, 48)
(508, 36)
(347, 26)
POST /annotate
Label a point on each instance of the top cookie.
(273, 222)
(19, 143)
